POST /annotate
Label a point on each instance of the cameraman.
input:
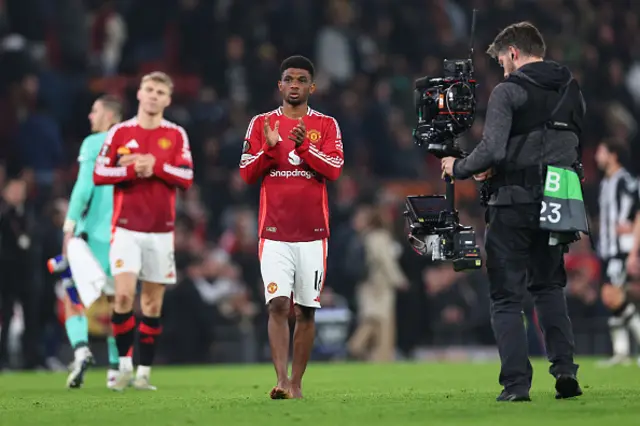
(513, 156)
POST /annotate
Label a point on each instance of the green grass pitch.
(335, 394)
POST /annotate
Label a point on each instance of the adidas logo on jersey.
(132, 144)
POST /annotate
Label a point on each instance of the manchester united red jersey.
(293, 199)
(145, 204)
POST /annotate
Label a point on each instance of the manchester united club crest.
(164, 143)
(272, 288)
(313, 135)
(123, 150)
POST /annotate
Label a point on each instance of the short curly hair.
(299, 62)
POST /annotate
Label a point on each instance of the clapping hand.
(271, 135)
(128, 159)
(298, 133)
(144, 165)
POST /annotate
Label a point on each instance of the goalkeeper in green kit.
(89, 217)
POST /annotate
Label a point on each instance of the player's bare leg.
(150, 329)
(279, 343)
(124, 325)
(303, 337)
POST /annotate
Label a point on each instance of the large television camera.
(446, 108)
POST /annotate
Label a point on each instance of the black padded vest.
(539, 105)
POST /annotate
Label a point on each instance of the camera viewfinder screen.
(428, 206)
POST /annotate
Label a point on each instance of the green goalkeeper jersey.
(90, 206)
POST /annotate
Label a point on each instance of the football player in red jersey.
(146, 159)
(295, 150)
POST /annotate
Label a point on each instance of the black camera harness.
(532, 177)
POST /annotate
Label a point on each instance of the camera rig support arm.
(446, 108)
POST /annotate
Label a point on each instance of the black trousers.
(519, 258)
(16, 286)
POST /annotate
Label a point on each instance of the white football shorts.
(148, 255)
(297, 268)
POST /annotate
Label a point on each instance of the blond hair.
(158, 77)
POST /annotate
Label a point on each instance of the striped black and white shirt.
(618, 203)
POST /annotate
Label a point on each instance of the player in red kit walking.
(295, 150)
(146, 159)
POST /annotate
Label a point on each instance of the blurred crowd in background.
(224, 55)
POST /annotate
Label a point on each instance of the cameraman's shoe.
(507, 396)
(567, 386)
